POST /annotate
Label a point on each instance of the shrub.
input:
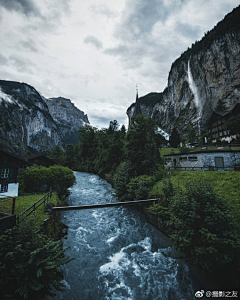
(29, 264)
(39, 178)
(203, 227)
(139, 187)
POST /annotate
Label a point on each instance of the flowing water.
(118, 255)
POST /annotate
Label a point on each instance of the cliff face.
(26, 123)
(207, 73)
(68, 118)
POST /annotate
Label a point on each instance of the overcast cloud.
(95, 52)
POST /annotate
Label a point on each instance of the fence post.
(13, 205)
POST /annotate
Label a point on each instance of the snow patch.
(5, 97)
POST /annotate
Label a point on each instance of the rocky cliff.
(68, 118)
(26, 123)
(204, 76)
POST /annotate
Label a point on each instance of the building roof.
(33, 157)
(225, 113)
(21, 159)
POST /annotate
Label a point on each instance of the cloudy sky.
(95, 52)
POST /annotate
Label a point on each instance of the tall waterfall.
(194, 90)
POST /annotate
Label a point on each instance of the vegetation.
(225, 183)
(174, 139)
(116, 155)
(199, 209)
(201, 225)
(29, 264)
(25, 201)
(39, 178)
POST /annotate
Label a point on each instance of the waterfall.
(194, 90)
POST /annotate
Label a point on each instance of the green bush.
(39, 178)
(139, 187)
(29, 264)
(202, 226)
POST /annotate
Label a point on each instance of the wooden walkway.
(93, 206)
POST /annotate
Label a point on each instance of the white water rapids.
(118, 255)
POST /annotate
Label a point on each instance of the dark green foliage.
(174, 139)
(142, 144)
(57, 153)
(201, 226)
(100, 151)
(29, 264)
(69, 158)
(191, 135)
(87, 148)
(119, 156)
(121, 179)
(139, 187)
(39, 178)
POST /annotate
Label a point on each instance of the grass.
(25, 201)
(166, 151)
(225, 183)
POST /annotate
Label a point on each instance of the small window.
(183, 158)
(167, 159)
(192, 158)
(5, 160)
(4, 188)
(5, 173)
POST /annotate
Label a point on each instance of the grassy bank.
(225, 183)
(25, 201)
(167, 151)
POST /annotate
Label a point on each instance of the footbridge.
(94, 206)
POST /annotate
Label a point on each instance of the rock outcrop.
(207, 73)
(68, 118)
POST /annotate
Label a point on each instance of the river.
(117, 254)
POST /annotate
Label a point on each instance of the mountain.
(203, 79)
(26, 123)
(68, 118)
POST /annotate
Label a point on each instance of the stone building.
(203, 160)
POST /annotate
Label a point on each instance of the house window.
(183, 158)
(4, 188)
(5, 173)
(193, 158)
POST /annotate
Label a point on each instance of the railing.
(33, 207)
(111, 204)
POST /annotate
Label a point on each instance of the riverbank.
(117, 253)
(205, 281)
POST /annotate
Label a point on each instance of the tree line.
(128, 159)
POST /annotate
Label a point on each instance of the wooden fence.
(33, 207)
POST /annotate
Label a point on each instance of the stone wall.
(201, 160)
